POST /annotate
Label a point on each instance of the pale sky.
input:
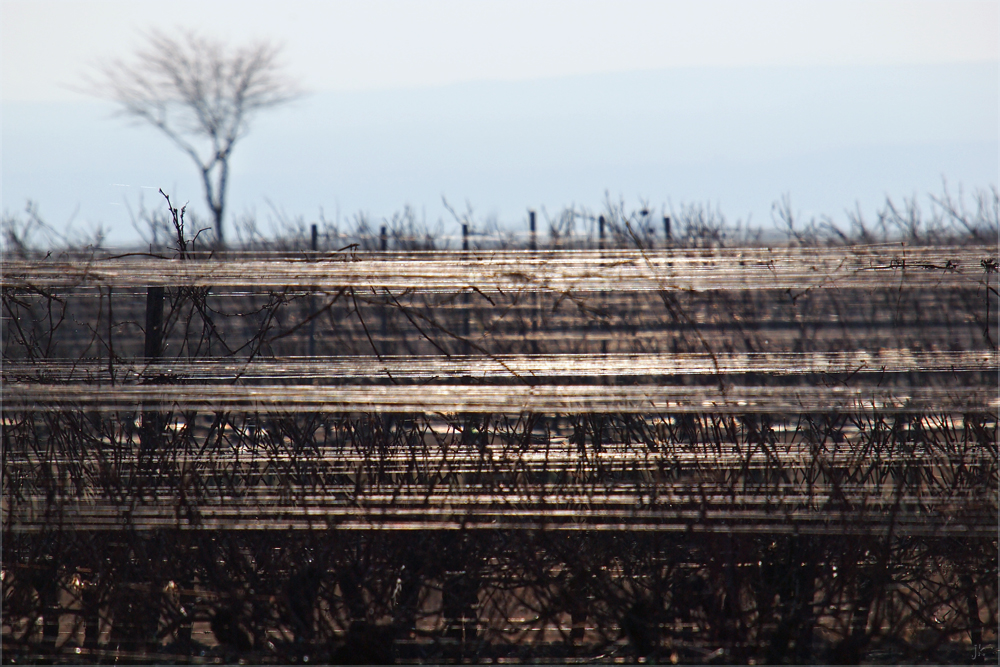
(373, 45)
(514, 105)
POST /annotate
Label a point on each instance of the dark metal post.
(531, 223)
(152, 421)
(666, 229)
(600, 244)
(465, 297)
(384, 315)
(533, 245)
(312, 303)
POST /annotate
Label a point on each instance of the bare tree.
(202, 94)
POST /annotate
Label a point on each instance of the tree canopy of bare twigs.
(202, 94)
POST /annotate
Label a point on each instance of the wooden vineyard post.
(154, 323)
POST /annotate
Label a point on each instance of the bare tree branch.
(202, 95)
